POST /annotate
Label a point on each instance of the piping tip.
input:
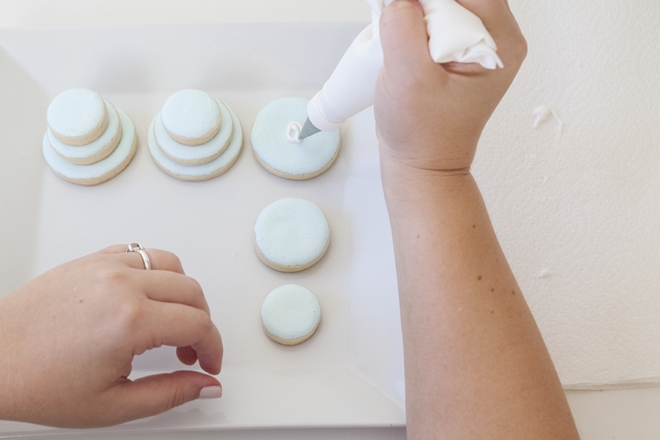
(308, 130)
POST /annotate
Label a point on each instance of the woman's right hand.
(430, 116)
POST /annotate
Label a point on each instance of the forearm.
(469, 337)
(8, 399)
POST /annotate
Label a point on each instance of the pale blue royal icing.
(290, 312)
(75, 112)
(270, 143)
(233, 150)
(94, 171)
(190, 113)
(91, 149)
(291, 232)
(187, 153)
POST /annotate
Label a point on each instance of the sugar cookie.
(291, 235)
(201, 154)
(206, 171)
(77, 116)
(191, 117)
(281, 154)
(99, 172)
(95, 151)
(290, 314)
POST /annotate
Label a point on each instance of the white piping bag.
(455, 34)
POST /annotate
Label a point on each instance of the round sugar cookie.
(283, 157)
(77, 117)
(99, 172)
(201, 154)
(291, 235)
(206, 171)
(95, 151)
(191, 117)
(290, 314)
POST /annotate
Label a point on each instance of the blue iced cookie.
(276, 147)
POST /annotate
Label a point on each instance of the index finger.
(178, 325)
(502, 26)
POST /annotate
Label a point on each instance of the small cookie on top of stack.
(88, 140)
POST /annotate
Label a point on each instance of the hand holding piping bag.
(455, 35)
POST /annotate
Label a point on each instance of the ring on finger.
(137, 247)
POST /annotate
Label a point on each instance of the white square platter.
(350, 374)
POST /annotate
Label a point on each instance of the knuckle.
(197, 294)
(177, 398)
(520, 48)
(195, 287)
(394, 15)
(129, 314)
(111, 276)
(173, 261)
(388, 15)
(395, 8)
(113, 249)
(205, 323)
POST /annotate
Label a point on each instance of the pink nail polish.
(214, 392)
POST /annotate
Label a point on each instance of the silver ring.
(137, 247)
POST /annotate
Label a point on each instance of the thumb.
(404, 38)
(156, 394)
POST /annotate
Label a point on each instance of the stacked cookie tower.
(88, 140)
(195, 136)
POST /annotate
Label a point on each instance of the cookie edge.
(289, 269)
(81, 141)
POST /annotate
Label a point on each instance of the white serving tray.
(351, 372)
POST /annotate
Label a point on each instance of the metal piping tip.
(308, 130)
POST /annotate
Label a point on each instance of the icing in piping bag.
(455, 34)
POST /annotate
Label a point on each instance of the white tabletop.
(56, 13)
(607, 414)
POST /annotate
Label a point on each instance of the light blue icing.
(94, 171)
(199, 152)
(93, 148)
(232, 151)
(75, 112)
(291, 232)
(190, 113)
(269, 139)
(290, 312)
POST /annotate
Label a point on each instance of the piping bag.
(455, 34)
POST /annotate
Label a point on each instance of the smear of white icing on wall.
(545, 273)
(543, 114)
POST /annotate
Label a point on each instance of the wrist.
(400, 176)
(427, 153)
(410, 190)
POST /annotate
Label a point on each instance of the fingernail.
(214, 392)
